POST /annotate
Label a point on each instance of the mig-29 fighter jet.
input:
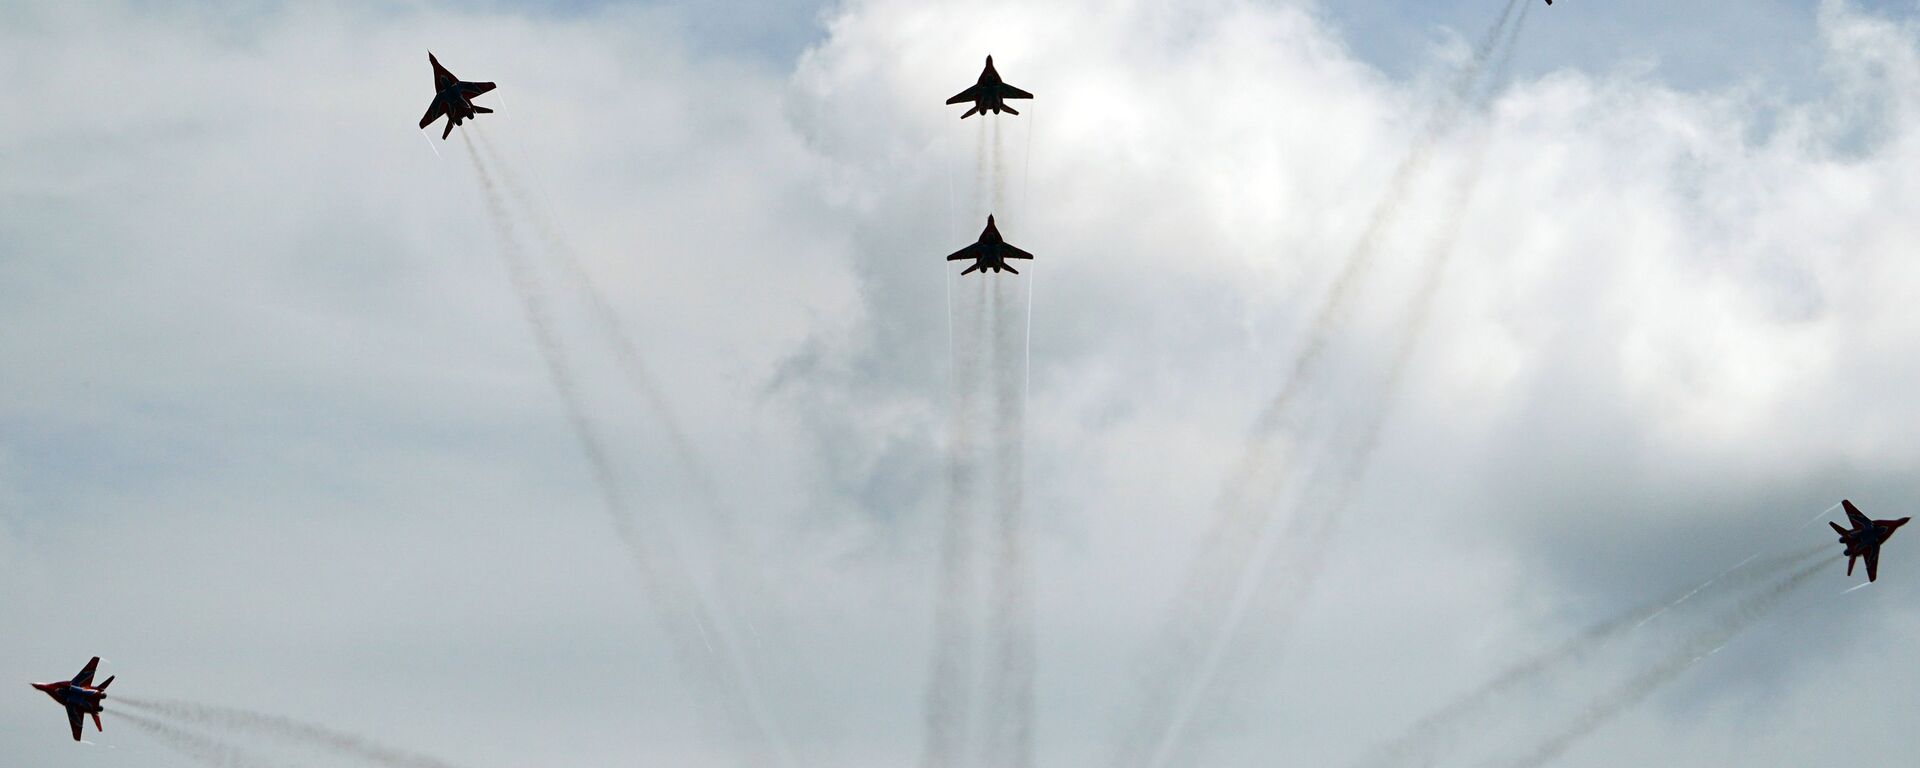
(989, 94)
(1865, 538)
(990, 252)
(80, 696)
(453, 98)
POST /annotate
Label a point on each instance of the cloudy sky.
(1539, 353)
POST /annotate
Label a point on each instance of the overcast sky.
(275, 432)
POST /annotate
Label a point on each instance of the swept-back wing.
(1010, 92)
(1873, 562)
(970, 94)
(974, 251)
(1854, 515)
(73, 720)
(85, 678)
(471, 90)
(1016, 253)
(434, 111)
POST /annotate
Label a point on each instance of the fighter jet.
(989, 94)
(990, 252)
(452, 97)
(1865, 538)
(80, 696)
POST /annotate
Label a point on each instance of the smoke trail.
(287, 730)
(1218, 588)
(684, 616)
(999, 171)
(737, 573)
(981, 169)
(949, 685)
(200, 748)
(1011, 679)
(1458, 716)
(1604, 708)
(627, 350)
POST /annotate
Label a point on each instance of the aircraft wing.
(434, 111)
(73, 719)
(1015, 253)
(471, 90)
(1854, 515)
(970, 94)
(1010, 92)
(970, 252)
(85, 678)
(1873, 562)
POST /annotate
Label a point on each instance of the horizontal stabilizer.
(1009, 110)
(103, 686)
(1836, 528)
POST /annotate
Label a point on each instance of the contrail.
(737, 573)
(1604, 708)
(1010, 682)
(1218, 589)
(617, 337)
(285, 729)
(684, 615)
(198, 747)
(981, 169)
(999, 171)
(948, 705)
(1461, 715)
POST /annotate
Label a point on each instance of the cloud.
(277, 436)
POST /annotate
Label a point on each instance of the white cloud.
(276, 434)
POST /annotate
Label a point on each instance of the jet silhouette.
(989, 94)
(80, 696)
(1865, 538)
(991, 251)
(452, 97)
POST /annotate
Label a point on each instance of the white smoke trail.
(1218, 590)
(1703, 643)
(618, 338)
(1010, 682)
(683, 612)
(738, 572)
(202, 749)
(999, 172)
(285, 729)
(982, 204)
(1469, 712)
(948, 698)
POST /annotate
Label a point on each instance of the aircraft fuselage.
(73, 697)
(458, 108)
